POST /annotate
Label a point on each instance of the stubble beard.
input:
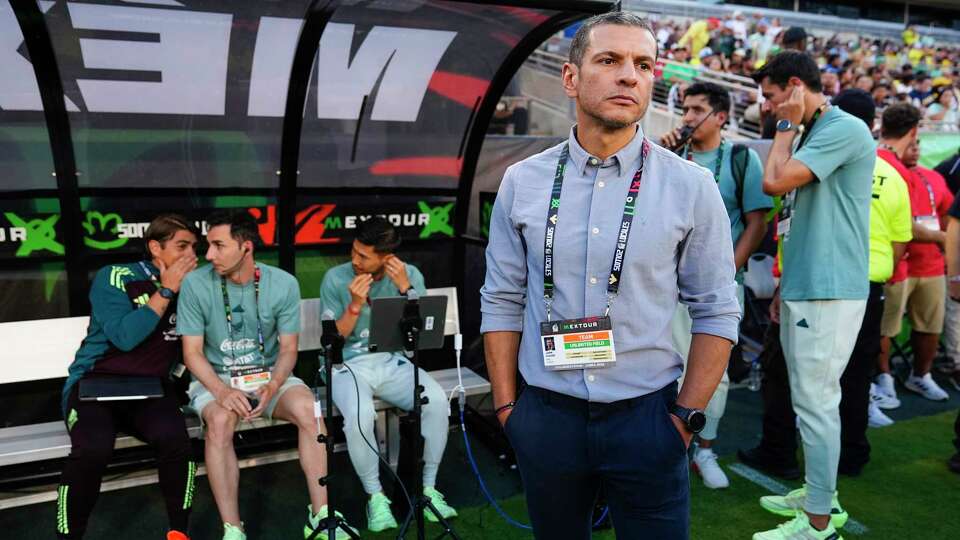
(615, 124)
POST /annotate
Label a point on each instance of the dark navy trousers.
(569, 449)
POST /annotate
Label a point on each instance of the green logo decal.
(40, 235)
(100, 225)
(72, 419)
(117, 273)
(438, 219)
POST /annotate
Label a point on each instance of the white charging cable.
(458, 390)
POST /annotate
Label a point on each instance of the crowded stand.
(783, 274)
(915, 70)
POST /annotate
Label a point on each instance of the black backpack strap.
(739, 158)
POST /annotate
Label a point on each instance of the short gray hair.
(581, 40)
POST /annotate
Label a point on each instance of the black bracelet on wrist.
(502, 408)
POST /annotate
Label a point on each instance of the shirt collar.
(625, 158)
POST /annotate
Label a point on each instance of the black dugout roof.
(158, 105)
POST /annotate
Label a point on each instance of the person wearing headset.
(240, 320)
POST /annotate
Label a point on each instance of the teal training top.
(124, 336)
(335, 297)
(202, 313)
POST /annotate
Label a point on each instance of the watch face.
(166, 293)
(784, 125)
(696, 421)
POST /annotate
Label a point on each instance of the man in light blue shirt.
(823, 231)
(636, 229)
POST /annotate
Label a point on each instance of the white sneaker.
(881, 399)
(926, 387)
(876, 418)
(885, 383)
(705, 463)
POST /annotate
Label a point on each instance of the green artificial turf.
(906, 492)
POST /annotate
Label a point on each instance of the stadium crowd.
(914, 70)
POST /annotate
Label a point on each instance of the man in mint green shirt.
(739, 175)
(823, 175)
(240, 322)
(374, 271)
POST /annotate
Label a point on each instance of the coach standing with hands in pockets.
(592, 243)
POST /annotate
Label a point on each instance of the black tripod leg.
(420, 505)
(330, 524)
(406, 523)
(447, 528)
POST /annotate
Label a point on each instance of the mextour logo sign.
(331, 224)
(323, 223)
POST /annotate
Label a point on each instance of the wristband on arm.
(502, 408)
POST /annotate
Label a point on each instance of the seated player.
(132, 333)
(240, 322)
(375, 271)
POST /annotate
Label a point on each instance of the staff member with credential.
(592, 244)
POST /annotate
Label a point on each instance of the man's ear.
(154, 247)
(722, 117)
(570, 77)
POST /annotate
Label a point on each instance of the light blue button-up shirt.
(679, 249)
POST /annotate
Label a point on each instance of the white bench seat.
(49, 440)
(42, 358)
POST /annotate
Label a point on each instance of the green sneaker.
(232, 532)
(791, 504)
(313, 521)
(441, 505)
(379, 516)
(799, 528)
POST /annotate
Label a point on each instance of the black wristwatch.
(167, 293)
(694, 419)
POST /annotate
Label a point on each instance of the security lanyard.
(616, 267)
(717, 165)
(788, 199)
(227, 312)
(808, 128)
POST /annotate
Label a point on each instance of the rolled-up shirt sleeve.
(504, 291)
(705, 272)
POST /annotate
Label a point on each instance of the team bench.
(40, 357)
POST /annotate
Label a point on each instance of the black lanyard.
(229, 314)
(808, 127)
(787, 201)
(616, 267)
